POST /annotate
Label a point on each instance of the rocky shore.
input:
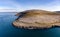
(37, 19)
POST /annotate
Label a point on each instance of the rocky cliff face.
(37, 19)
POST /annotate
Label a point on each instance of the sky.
(21, 5)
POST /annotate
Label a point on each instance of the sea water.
(8, 30)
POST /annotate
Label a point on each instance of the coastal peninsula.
(37, 19)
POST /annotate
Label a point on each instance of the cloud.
(17, 6)
(9, 5)
(51, 6)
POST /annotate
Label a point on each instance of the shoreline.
(36, 28)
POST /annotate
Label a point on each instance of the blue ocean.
(8, 30)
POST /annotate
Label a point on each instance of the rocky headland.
(37, 19)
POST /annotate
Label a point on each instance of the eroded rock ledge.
(37, 19)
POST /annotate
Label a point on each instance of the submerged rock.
(37, 19)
